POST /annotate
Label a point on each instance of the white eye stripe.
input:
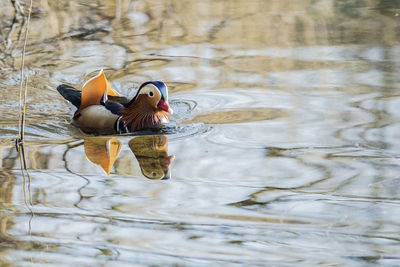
(152, 92)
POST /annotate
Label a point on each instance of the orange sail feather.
(93, 90)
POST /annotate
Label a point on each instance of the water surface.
(283, 149)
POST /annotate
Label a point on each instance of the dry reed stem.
(21, 115)
(22, 103)
(24, 110)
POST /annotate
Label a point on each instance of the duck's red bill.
(164, 106)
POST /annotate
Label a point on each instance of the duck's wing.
(74, 96)
(70, 94)
(119, 99)
(113, 103)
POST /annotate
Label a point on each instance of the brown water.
(283, 150)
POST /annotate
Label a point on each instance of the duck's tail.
(71, 94)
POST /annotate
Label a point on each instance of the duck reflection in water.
(151, 151)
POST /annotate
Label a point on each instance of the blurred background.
(283, 149)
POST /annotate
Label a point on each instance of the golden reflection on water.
(102, 151)
(151, 151)
(238, 116)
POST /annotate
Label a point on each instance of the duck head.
(156, 93)
(149, 108)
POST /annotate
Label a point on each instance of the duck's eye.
(151, 94)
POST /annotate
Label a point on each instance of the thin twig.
(20, 113)
(24, 110)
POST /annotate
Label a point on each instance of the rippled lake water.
(283, 149)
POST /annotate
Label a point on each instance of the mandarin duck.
(102, 110)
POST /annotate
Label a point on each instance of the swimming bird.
(102, 110)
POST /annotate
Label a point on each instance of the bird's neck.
(140, 115)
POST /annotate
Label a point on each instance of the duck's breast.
(96, 119)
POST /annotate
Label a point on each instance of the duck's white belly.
(96, 119)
